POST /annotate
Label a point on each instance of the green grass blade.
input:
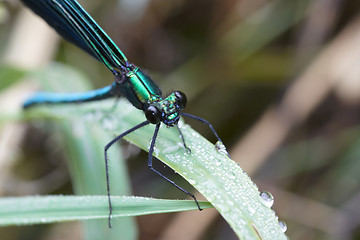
(83, 145)
(217, 177)
(49, 209)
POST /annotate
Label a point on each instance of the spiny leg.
(107, 161)
(150, 158)
(207, 123)
(183, 140)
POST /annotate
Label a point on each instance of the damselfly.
(73, 23)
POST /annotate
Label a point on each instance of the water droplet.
(230, 203)
(218, 162)
(251, 210)
(283, 226)
(190, 166)
(181, 124)
(267, 198)
(220, 147)
(232, 175)
(156, 152)
(149, 144)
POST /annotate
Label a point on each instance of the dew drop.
(190, 167)
(149, 144)
(220, 147)
(232, 175)
(218, 162)
(156, 152)
(251, 210)
(283, 226)
(230, 203)
(267, 198)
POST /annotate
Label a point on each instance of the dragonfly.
(74, 24)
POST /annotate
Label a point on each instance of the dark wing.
(74, 24)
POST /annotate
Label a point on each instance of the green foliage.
(49, 209)
(210, 171)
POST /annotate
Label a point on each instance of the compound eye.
(180, 99)
(153, 115)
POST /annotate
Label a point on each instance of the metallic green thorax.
(142, 92)
(137, 87)
(71, 21)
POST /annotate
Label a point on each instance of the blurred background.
(278, 79)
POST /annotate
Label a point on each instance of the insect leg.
(183, 140)
(151, 151)
(207, 123)
(107, 161)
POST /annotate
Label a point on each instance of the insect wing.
(74, 24)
